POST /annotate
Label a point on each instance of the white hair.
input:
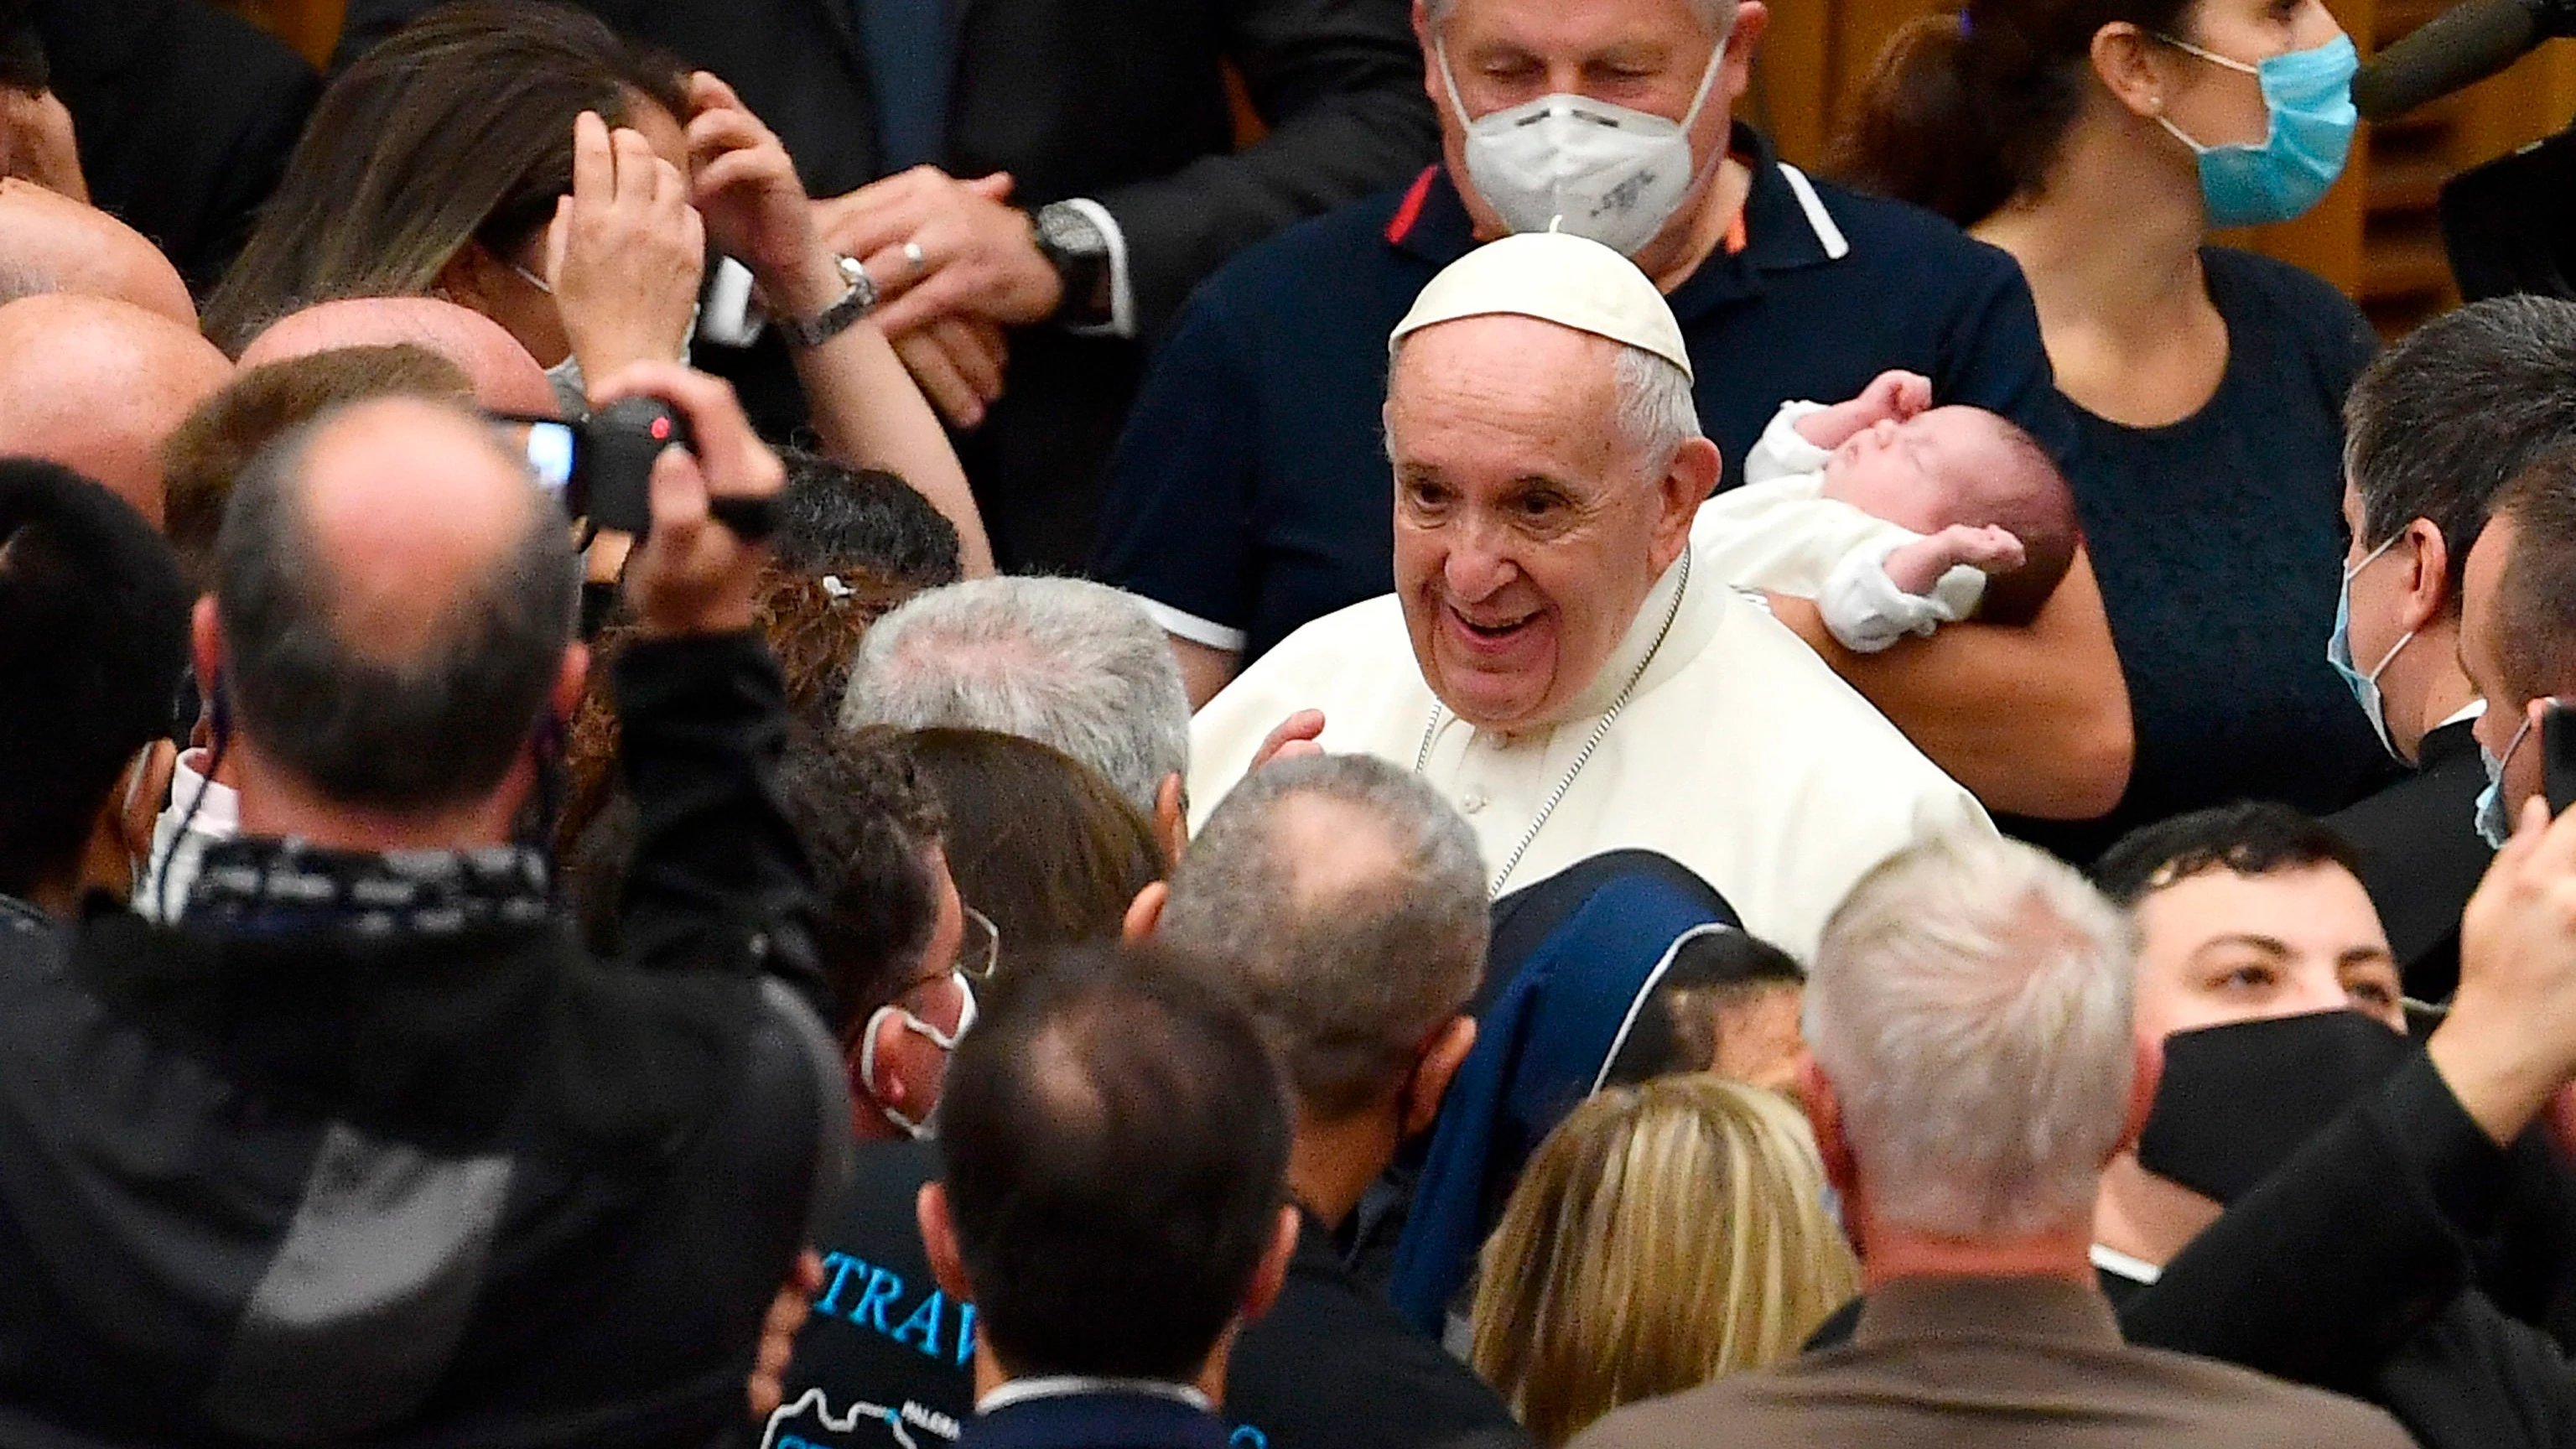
(1970, 1004)
(1717, 17)
(1066, 662)
(1655, 411)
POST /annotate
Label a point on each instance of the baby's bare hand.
(1917, 566)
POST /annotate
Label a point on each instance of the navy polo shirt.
(1250, 492)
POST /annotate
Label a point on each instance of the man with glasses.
(901, 952)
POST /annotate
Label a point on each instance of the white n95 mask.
(1589, 167)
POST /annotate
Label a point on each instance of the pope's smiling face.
(1528, 528)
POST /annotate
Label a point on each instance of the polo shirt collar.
(1786, 228)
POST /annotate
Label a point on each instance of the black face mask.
(2236, 1100)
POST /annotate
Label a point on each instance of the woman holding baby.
(2099, 141)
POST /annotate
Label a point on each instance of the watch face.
(1068, 230)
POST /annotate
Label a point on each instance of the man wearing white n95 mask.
(1549, 662)
(1245, 494)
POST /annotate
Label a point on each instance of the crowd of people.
(896, 724)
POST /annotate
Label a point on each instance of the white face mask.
(921, 1131)
(1588, 167)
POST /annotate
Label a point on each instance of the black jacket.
(1331, 1366)
(429, 1186)
(185, 116)
(1121, 101)
(2421, 857)
(2353, 1267)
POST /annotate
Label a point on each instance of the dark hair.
(1038, 841)
(2535, 620)
(457, 129)
(864, 525)
(1712, 973)
(867, 824)
(2438, 424)
(22, 49)
(2033, 503)
(2248, 838)
(200, 460)
(1966, 108)
(1114, 1142)
(93, 641)
(853, 544)
(434, 730)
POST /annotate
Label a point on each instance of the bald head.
(97, 385)
(505, 377)
(51, 243)
(395, 601)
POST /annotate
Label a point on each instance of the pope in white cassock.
(1549, 660)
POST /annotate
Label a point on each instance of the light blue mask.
(2495, 824)
(2308, 94)
(2364, 687)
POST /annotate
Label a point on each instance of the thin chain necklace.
(1582, 757)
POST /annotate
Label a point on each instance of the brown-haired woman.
(2098, 141)
(1039, 842)
(526, 161)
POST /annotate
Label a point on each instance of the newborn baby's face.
(1912, 473)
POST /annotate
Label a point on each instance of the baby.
(1895, 516)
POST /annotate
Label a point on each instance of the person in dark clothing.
(185, 116)
(370, 1148)
(2351, 1265)
(93, 643)
(2437, 426)
(1065, 172)
(1381, 954)
(1111, 1167)
(2208, 384)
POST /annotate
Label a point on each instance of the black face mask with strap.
(2236, 1100)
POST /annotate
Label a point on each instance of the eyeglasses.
(980, 951)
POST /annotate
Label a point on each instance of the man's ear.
(1172, 816)
(1431, 86)
(1686, 484)
(1825, 1117)
(939, 1242)
(1735, 75)
(2428, 592)
(1437, 1069)
(1145, 913)
(2146, 1072)
(1272, 1275)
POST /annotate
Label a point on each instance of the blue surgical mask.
(2495, 823)
(2308, 95)
(2364, 687)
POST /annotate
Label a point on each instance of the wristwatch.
(1078, 249)
(832, 321)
